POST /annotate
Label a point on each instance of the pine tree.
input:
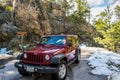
(109, 32)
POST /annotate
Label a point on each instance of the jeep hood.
(46, 50)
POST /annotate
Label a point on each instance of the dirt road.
(79, 71)
(82, 70)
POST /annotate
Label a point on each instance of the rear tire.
(62, 71)
(78, 56)
(24, 73)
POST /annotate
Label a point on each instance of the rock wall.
(57, 10)
(38, 18)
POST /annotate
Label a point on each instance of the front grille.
(34, 58)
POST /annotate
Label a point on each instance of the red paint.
(37, 55)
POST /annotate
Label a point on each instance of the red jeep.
(53, 55)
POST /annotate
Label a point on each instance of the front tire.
(24, 73)
(62, 71)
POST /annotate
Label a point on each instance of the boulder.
(56, 6)
(57, 13)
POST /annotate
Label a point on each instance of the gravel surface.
(76, 72)
(81, 71)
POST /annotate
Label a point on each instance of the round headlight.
(25, 55)
(47, 57)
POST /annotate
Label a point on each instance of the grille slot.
(34, 58)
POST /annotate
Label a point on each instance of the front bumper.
(35, 68)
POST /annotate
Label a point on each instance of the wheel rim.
(62, 71)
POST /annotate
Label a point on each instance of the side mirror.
(69, 44)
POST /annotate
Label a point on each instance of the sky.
(97, 6)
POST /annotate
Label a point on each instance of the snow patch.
(4, 53)
(101, 71)
(4, 56)
(3, 50)
(114, 76)
(104, 62)
(82, 45)
(9, 72)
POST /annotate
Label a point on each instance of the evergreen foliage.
(110, 31)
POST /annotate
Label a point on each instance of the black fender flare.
(57, 58)
(19, 57)
(76, 51)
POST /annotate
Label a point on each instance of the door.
(70, 48)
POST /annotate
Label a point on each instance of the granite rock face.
(37, 18)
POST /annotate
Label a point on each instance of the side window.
(77, 41)
(73, 40)
(70, 40)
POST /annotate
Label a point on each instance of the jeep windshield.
(53, 40)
